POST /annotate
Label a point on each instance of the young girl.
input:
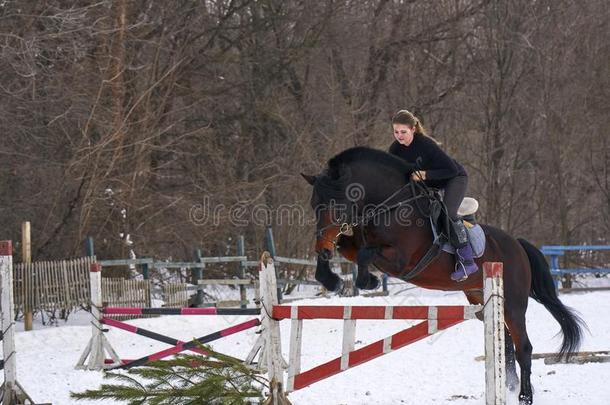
(436, 169)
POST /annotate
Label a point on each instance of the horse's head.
(355, 180)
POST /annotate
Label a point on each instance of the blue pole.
(89, 246)
(554, 268)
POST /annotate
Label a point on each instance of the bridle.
(347, 228)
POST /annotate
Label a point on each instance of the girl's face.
(403, 134)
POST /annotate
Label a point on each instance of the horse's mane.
(332, 182)
(361, 153)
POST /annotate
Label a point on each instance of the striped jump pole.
(179, 311)
(191, 345)
(11, 390)
(99, 354)
(146, 333)
(434, 319)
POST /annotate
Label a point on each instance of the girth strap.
(429, 257)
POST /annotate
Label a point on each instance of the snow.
(437, 370)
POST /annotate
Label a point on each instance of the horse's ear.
(310, 179)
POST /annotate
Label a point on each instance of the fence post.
(495, 362)
(270, 242)
(271, 355)
(555, 269)
(98, 344)
(26, 249)
(241, 251)
(89, 246)
(12, 392)
(145, 271)
(196, 275)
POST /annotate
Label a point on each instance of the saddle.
(442, 228)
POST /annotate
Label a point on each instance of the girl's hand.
(418, 175)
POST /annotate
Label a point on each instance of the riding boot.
(464, 263)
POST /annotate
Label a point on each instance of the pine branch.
(187, 379)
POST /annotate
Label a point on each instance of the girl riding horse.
(436, 169)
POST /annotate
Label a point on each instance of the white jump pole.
(12, 392)
(271, 355)
(495, 360)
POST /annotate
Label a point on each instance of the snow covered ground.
(438, 370)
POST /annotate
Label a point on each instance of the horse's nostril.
(325, 254)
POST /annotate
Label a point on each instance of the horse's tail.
(543, 291)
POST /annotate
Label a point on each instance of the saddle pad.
(476, 237)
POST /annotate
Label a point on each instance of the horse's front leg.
(325, 276)
(365, 280)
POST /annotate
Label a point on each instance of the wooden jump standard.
(434, 319)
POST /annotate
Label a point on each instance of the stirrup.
(464, 277)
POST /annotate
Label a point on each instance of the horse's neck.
(377, 186)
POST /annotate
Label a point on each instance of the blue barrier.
(555, 251)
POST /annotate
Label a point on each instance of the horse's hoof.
(371, 283)
(339, 287)
(525, 399)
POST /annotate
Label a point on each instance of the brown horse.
(366, 209)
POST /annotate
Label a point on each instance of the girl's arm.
(442, 166)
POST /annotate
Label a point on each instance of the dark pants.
(455, 190)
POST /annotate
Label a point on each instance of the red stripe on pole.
(95, 268)
(167, 352)
(410, 335)
(411, 312)
(450, 312)
(314, 312)
(122, 311)
(365, 353)
(493, 269)
(120, 325)
(6, 248)
(317, 373)
(238, 328)
(368, 313)
(446, 323)
(281, 312)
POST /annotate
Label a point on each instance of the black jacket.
(426, 155)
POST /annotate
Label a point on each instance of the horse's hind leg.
(523, 353)
(512, 380)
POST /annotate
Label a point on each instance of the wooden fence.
(52, 285)
(64, 285)
(176, 295)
